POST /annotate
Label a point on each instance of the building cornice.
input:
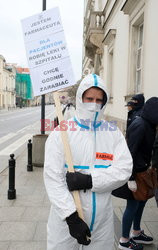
(109, 37)
(107, 16)
(129, 6)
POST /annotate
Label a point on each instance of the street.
(16, 127)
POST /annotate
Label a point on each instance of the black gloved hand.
(78, 229)
(78, 181)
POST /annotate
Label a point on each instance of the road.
(16, 127)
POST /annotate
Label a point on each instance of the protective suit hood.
(91, 80)
(150, 110)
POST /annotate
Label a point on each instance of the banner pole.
(67, 152)
(43, 96)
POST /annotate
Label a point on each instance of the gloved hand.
(78, 181)
(78, 229)
(132, 185)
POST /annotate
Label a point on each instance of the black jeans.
(132, 214)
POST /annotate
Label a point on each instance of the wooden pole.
(67, 151)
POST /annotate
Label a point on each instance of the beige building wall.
(121, 46)
(151, 49)
(7, 84)
(1, 81)
(115, 72)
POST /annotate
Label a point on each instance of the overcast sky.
(11, 39)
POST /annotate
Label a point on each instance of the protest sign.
(47, 53)
(50, 66)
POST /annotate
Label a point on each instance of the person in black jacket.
(130, 106)
(137, 103)
(140, 139)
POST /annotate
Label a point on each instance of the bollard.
(11, 190)
(29, 165)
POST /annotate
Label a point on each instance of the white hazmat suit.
(98, 148)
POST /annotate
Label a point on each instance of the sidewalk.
(4, 110)
(23, 220)
(149, 221)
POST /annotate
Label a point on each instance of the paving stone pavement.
(23, 220)
(149, 221)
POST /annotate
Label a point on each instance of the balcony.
(93, 33)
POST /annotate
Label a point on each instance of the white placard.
(47, 53)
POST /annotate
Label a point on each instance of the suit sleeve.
(54, 177)
(108, 179)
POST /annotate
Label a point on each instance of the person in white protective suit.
(102, 163)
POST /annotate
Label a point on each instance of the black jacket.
(140, 139)
(130, 118)
(141, 135)
(132, 115)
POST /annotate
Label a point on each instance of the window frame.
(139, 56)
(135, 21)
(109, 41)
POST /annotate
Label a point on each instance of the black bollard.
(29, 165)
(11, 190)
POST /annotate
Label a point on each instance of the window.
(135, 9)
(139, 59)
(110, 69)
(109, 41)
(135, 70)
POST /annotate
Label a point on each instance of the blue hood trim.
(95, 80)
(80, 124)
(95, 125)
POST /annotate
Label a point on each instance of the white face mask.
(92, 106)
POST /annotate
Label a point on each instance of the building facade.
(7, 84)
(24, 90)
(16, 87)
(120, 44)
(24, 93)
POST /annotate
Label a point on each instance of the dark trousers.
(132, 214)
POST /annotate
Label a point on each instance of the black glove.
(78, 229)
(78, 181)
